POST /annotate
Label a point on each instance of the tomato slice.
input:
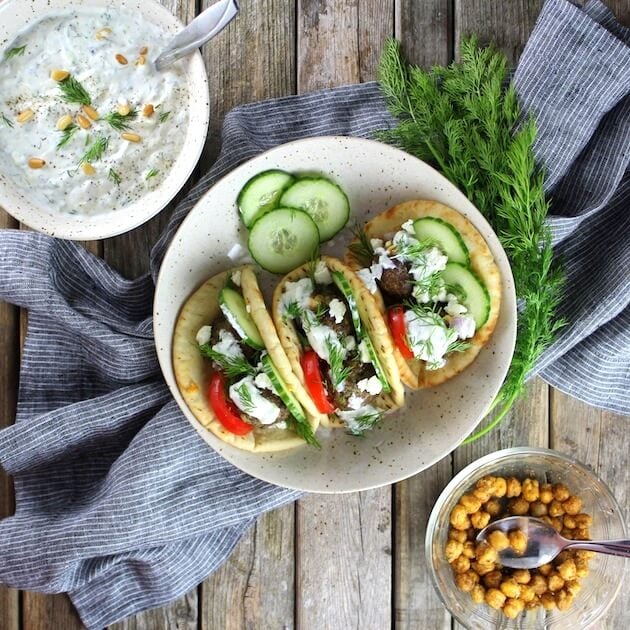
(396, 321)
(315, 382)
(225, 410)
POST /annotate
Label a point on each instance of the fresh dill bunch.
(464, 121)
(152, 173)
(230, 366)
(95, 151)
(120, 122)
(67, 134)
(338, 372)
(163, 117)
(73, 92)
(361, 248)
(114, 177)
(14, 52)
(6, 121)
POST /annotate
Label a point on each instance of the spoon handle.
(611, 547)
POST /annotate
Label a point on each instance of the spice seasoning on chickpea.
(476, 566)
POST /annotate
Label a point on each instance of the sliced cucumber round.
(323, 200)
(235, 310)
(346, 290)
(376, 362)
(283, 239)
(447, 238)
(475, 295)
(261, 194)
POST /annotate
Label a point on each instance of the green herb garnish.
(361, 248)
(246, 398)
(363, 422)
(67, 135)
(6, 121)
(114, 176)
(152, 173)
(293, 311)
(14, 52)
(230, 366)
(336, 356)
(465, 122)
(73, 92)
(458, 346)
(305, 431)
(163, 117)
(119, 121)
(95, 151)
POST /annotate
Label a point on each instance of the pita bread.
(371, 318)
(413, 372)
(192, 371)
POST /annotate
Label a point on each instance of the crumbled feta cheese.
(429, 262)
(262, 381)
(454, 308)
(376, 243)
(384, 259)
(236, 277)
(350, 343)
(370, 385)
(408, 227)
(203, 335)
(359, 420)
(364, 353)
(281, 425)
(428, 337)
(376, 269)
(239, 254)
(355, 402)
(464, 326)
(337, 310)
(321, 337)
(228, 346)
(248, 398)
(296, 292)
(322, 274)
(440, 296)
(365, 275)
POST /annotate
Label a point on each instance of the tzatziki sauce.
(87, 124)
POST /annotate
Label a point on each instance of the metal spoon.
(204, 27)
(544, 543)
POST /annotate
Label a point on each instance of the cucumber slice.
(233, 306)
(346, 290)
(302, 426)
(477, 298)
(324, 201)
(448, 239)
(261, 194)
(283, 239)
(376, 362)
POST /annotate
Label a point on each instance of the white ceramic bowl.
(433, 422)
(15, 15)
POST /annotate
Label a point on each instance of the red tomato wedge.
(396, 322)
(225, 410)
(315, 382)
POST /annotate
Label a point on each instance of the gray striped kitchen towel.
(119, 502)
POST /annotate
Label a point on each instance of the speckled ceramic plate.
(15, 15)
(434, 421)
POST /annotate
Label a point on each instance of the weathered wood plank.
(343, 542)
(598, 439)
(425, 32)
(182, 614)
(254, 588)
(253, 59)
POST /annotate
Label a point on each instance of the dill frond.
(67, 134)
(14, 52)
(73, 92)
(230, 366)
(120, 122)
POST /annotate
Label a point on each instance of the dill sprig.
(114, 177)
(292, 311)
(6, 121)
(463, 120)
(120, 122)
(458, 346)
(67, 134)
(95, 151)
(163, 117)
(230, 366)
(73, 92)
(152, 173)
(361, 248)
(305, 431)
(246, 398)
(14, 52)
(336, 356)
(364, 422)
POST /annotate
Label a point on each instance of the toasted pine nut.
(123, 110)
(87, 168)
(59, 75)
(90, 112)
(141, 60)
(83, 122)
(121, 59)
(103, 33)
(148, 110)
(144, 50)
(131, 137)
(25, 116)
(36, 162)
(64, 122)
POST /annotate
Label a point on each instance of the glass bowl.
(599, 587)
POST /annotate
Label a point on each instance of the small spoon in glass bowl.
(544, 543)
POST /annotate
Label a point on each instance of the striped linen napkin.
(119, 502)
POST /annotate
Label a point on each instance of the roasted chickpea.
(513, 487)
(480, 519)
(466, 581)
(581, 533)
(546, 493)
(530, 490)
(457, 534)
(563, 600)
(569, 521)
(527, 593)
(538, 509)
(478, 594)
(548, 601)
(518, 541)
(483, 488)
(512, 608)
(573, 587)
(572, 505)
(583, 521)
(485, 554)
(583, 554)
(522, 576)
(493, 579)
(518, 506)
(453, 550)
(555, 582)
(498, 540)
(482, 569)
(493, 507)
(556, 523)
(563, 556)
(567, 570)
(567, 533)
(581, 568)
(538, 584)
(545, 569)
(555, 508)
(560, 492)
(495, 598)
(500, 487)
(461, 564)
(469, 549)
(471, 503)
(510, 588)
(533, 603)
(459, 517)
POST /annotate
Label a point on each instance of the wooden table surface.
(352, 561)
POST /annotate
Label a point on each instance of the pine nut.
(64, 122)
(131, 137)
(144, 50)
(121, 59)
(83, 122)
(90, 112)
(123, 110)
(141, 60)
(25, 116)
(148, 110)
(36, 162)
(103, 33)
(88, 169)
(59, 75)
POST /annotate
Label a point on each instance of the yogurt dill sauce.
(122, 123)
